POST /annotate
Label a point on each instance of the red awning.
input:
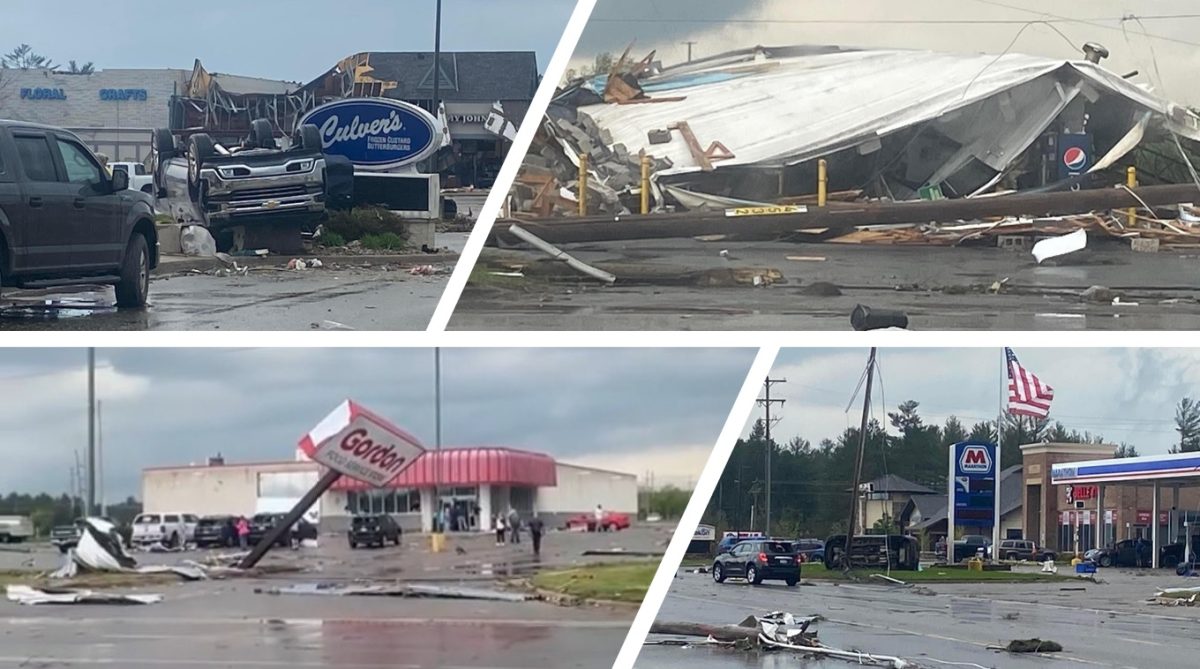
(470, 467)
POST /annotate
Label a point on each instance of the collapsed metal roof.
(773, 111)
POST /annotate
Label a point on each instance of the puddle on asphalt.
(55, 309)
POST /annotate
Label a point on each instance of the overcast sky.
(624, 409)
(294, 40)
(1124, 394)
(719, 25)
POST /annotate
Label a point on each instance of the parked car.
(610, 521)
(809, 550)
(373, 530)
(139, 178)
(169, 529)
(1131, 553)
(758, 560)
(215, 531)
(65, 220)
(254, 185)
(969, 547)
(15, 529)
(1020, 549)
(262, 523)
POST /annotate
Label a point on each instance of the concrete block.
(168, 238)
(1143, 245)
(659, 136)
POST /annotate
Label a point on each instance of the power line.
(1096, 23)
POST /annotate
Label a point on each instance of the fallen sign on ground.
(29, 596)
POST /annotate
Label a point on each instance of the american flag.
(1027, 395)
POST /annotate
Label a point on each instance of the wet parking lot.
(360, 294)
(1107, 624)
(237, 623)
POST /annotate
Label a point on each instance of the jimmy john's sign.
(362, 445)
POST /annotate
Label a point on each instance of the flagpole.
(999, 441)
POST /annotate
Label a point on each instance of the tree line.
(810, 491)
(46, 511)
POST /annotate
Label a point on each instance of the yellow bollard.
(822, 182)
(437, 542)
(1132, 182)
(645, 184)
(583, 184)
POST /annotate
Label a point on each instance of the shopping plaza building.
(479, 482)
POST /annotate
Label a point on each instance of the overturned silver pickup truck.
(252, 195)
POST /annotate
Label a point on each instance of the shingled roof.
(479, 76)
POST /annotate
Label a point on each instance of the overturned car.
(256, 193)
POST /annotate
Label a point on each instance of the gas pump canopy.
(1176, 470)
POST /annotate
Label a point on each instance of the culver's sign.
(376, 133)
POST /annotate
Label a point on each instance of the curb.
(175, 264)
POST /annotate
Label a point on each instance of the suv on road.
(758, 560)
(1019, 549)
(65, 220)
(374, 530)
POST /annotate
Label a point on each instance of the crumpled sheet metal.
(101, 549)
(784, 631)
(29, 596)
(808, 106)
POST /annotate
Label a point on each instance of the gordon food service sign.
(376, 133)
(361, 444)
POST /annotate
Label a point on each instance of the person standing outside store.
(514, 525)
(243, 531)
(536, 528)
(599, 514)
(500, 529)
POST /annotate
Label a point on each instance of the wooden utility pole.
(766, 401)
(862, 447)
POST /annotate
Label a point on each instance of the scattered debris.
(1031, 646)
(1060, 246)
(101, 549)
(821, 289)
(29, 596)
(330, 325)
(297, 264)
(866, 318)
(559, 254)
(395, 590)
(195, 240)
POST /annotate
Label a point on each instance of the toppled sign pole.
(350, 441)
(844, 216)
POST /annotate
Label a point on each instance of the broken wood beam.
(847, 216)
(718, 632)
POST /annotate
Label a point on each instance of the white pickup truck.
(169, 529)
(139, 178)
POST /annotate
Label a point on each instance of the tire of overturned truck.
(262, 134)
(308, 136)
(200, 148)
(134, 285)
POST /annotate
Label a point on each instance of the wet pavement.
(226, 623)
(939, 288)
(344, 296)
(956, 624)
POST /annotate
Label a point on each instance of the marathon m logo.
(365, 449)
(975, 460)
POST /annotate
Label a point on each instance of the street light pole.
(91, 455)
(437, 60)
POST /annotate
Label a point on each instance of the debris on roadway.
(775, 631)
(30, 596)
(408, 590)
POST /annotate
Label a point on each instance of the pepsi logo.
(1075, 158)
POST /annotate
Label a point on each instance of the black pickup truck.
(65, 220)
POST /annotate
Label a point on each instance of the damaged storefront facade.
(478, 482)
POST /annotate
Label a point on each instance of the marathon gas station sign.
(973, 468)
